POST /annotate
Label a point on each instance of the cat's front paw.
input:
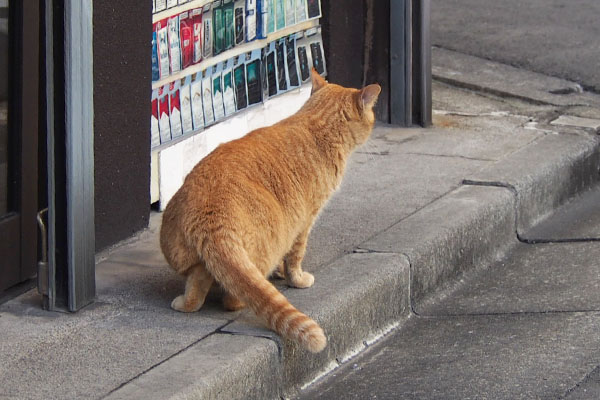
(302, 280)
(179, 304)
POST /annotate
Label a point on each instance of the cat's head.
(354, 105)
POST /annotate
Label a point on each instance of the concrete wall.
(122, 78)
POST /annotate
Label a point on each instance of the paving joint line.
(585, 379)
(273, 338)
(123, 384)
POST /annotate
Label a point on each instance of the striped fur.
(250, 204)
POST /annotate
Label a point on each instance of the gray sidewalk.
(418, 207)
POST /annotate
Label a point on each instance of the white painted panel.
(176, 161)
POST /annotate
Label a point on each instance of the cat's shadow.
(154, 288)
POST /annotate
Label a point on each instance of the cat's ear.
(317, 80)
(369, 95)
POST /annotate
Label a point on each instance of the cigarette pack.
(196, 17)
(316, 51)
(155, 66)
(197, 111)
(228, 88)
(291, 62)
(279, 14)
(161, 5)
(187, 39)
(217, 91)
(263, 73)
(155, 130)
(207, 102)
(240, 16)
(163, 48)
(185, 99)
(239, 80)
(304, 62)
(262, 17)
(218, 21)
(271, 17)
(253, 77)
(175, 109)
(163, 114)
(174, 47)
(314, 8)
(301, 11)
(282, 80)
(290, 12)
(271, 70)
(229, 22)
(207, 46)
(251, 20)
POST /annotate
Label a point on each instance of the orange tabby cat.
(251, 204)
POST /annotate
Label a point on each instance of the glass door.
(19, 80)
(4, 62)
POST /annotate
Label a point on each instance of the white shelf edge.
(243, 48)
(169, 12)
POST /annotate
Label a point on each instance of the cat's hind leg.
(197, 285)
(292, 262)
(232, 303)
(278, 272)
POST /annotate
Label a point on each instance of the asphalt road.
(559, 38)
(525, 327)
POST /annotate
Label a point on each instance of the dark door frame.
(410, 62)
(18, 230)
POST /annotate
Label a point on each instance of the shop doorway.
(19, 79)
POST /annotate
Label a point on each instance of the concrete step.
(524, 326)
(363, 295)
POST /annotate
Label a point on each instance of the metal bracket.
(43, 264)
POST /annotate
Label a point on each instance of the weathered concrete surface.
(510, 356)
(355, 298)
(553, 37)
(220, 367)
(556, 277)
(578, 219)
(588, 388)
(469, 227)
(545, 174)
(525, 326)
(503, 80)
(88, 354)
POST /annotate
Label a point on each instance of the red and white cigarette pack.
(175, 109)
(163, 114)
(185, 99)
(196, 17)
(186, 37)
(155, 139)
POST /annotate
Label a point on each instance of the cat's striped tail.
(231, 267)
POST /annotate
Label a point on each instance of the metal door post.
(80, 152)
